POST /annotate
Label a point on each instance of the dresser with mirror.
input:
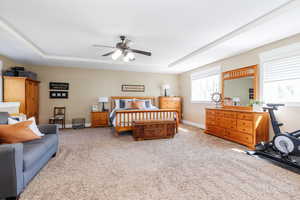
(235, 119)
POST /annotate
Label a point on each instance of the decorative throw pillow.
(15, 133)
(122, 103)
(148, 103)
(128, 103)
(138, 104)
(33, 125)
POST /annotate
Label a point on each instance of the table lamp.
(165, 87)
(103, 100)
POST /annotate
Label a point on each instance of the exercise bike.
(284, 148)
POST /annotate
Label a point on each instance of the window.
(204, 83)
(1, 88)
(281, 79)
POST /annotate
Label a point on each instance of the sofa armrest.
(11, 170)
(48, 128)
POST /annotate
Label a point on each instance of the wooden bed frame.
(124, 118)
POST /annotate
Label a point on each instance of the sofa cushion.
(4, 117)
(34, 150)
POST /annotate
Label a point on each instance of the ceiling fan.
(122, 48)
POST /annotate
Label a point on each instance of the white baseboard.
(202, 126)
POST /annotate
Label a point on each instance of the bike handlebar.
(275, 105)
(272, 106)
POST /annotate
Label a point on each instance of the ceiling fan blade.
(107, 54)
(103, 46)
(141, 52)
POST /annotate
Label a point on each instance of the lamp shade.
(103, 99)
(165, 86)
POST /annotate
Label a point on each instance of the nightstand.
(99, 119)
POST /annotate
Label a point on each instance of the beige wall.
(194, 112)
(7, 62)
(86, 85)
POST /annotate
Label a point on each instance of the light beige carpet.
(95, 165)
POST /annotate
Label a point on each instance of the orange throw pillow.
(137, 104)
(15, 133)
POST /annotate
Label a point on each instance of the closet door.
(29, 99)
(32, 99)
(35, 95)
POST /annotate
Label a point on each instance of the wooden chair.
(59, 116)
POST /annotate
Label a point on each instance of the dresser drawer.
(96, 123)
(210, 112)
(239, 136)
(218, 131)
(170, 105)
(245, 126)
(245, 116)
(210, 119)
(100, 117)
(219, 113)
(219, 120)
(227, 114)
(228, 123)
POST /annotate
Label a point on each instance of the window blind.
(206, 73)
(282, 69)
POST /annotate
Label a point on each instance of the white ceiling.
(182, 35)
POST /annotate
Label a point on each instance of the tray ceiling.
(182, 35)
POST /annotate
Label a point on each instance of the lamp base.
(103, 107)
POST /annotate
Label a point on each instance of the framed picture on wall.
(133, 88)
(58, 86)
(58, 94)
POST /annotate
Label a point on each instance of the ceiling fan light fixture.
(128, 56)
(131, 55)
(122, 49)
(116, 54)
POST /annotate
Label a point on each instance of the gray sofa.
(22, 161)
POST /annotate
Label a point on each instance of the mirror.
(238, 92)
(239, 87)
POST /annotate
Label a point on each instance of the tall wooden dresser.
(171, 103)
(244, 127)
(25, 91)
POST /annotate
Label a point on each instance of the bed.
(122, 118)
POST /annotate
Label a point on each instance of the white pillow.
(12, 121)
(117, 103)
(33, 125)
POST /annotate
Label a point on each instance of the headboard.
(112, 103)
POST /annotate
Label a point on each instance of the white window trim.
(275, 54)
(1, 86)
(205, 71)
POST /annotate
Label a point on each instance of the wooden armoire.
(25, 91)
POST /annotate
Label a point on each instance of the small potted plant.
(256, 105)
